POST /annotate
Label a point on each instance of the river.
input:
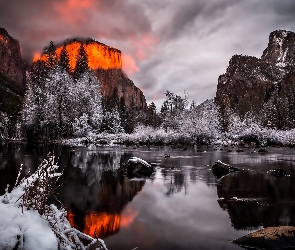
(181, 206)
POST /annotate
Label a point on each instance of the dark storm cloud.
(34, 23)
(166, 45)
(189, 13)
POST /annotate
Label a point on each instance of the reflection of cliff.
(98, 224)
(254, 199)
(103, 224)
(103, 217)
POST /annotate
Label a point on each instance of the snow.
(28, 229)
(23, 226)
(139, 160)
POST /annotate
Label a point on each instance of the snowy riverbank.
(240, 135)
(27, 222)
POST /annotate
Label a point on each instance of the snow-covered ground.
(147, 135)
(26, 230)
(21, 228)
(26, 222)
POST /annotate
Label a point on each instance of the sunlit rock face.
(100, 56)
(11, 63)
(249, 82)
(106, 64)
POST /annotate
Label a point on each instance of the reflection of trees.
(174, 180)
(254, 199)
(94, 163)
(11, 157)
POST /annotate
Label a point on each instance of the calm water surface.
(182, 206)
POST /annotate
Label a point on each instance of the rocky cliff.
(249, 82)
(11, 63)
(12, 72)
(106, 64)
(280, 50)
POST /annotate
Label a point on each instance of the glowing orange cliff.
(100, 56)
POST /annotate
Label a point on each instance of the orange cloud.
(128, 64)
(71, 10)
(144, 45)
(128, 217)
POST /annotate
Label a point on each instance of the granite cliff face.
(116, 79)
(11, 63)
(280, 50)
(12, 77)
(249, 82)
(106, 64)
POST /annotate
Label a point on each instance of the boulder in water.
(282, 237)
(220, 169)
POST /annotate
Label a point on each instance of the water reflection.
(254, 199)
(96, 192)
(174, 180)
(182, 198)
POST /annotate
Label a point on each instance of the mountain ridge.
(249, 83)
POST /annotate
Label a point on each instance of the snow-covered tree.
(111, 122)
(201, 122)
(270, 113)
(53, 104)
(172, 110)
(4, 124)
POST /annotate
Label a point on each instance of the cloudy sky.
(166, 44)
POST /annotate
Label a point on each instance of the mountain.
(106, 63)
(12, 78)
(249, 82)
(11, 64)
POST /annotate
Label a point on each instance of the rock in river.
(220, 169)
(139, 167)
(282, 237)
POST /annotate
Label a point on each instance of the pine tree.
(81, 62)
(111, 122)
(114, 99)
(51, 57)
(270, 113)
(38, 72)
(151, 117)
(64, 60)
(225, 114)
